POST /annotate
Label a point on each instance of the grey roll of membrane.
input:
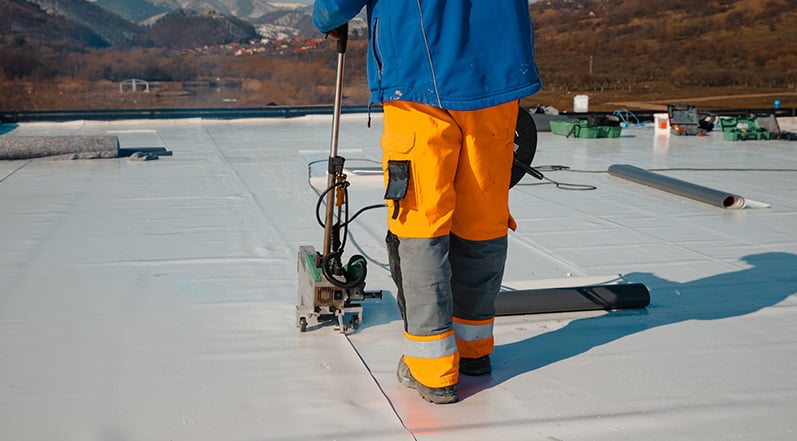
(686, 189)
(27, 147)
(571, 299)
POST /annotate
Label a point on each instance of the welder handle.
(341, 33)
(529, 169)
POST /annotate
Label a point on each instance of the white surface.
(155, 300)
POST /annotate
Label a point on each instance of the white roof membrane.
(156, 300)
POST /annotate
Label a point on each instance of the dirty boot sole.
(436, 395)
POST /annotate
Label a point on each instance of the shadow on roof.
(767, 282)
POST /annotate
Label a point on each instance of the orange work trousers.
(461, 164)
(447, 177)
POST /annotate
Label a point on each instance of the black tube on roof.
(580, 298)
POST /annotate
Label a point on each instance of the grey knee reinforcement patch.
(477, 269)
(426, 285)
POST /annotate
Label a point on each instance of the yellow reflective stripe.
(473, 330)
(432, 346)
(434, 372)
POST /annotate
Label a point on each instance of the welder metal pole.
(343, 35)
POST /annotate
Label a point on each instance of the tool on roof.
(767, 121)
(686, 120)
(525, 148)
(327, 287)
(571, 299)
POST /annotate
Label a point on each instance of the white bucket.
(662, 123)
(581, 104)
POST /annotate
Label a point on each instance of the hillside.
(184, 29)
(136, 11)
(286, 24)
(622, 53)
(112, 28)
(24, 21)
(631, 48)
(142, 10)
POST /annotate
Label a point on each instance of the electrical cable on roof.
(560, 185)
(792, 170)
(343, 224)
(581, 187)
(349, 219)
(325, 160)
(566, 168)
(625, 115)
(563, 185)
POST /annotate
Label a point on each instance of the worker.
(449, 75)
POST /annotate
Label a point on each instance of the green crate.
(743, 129)
(728, 124)
(609, 132)
(732, 135)
(582, 131)
(743, 135)
(563, 127)
(578, 129)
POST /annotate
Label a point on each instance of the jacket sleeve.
(329, 14)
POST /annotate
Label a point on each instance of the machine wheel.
(302, 324)
(525, 144)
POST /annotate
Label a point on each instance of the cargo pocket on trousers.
(399, 187)
(398, 182)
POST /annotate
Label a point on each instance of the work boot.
(436, 395)
(475, 366)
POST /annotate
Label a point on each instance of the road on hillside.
(656, 105)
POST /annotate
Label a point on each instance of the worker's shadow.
(769, 280)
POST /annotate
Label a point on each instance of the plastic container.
(578, 129)
(563, 127)
(609, 132)
(742, 129)
(662, 123)
(581, 104)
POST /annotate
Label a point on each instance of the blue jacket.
(452, 54)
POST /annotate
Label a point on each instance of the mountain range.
(615, 48)
(98, 23)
